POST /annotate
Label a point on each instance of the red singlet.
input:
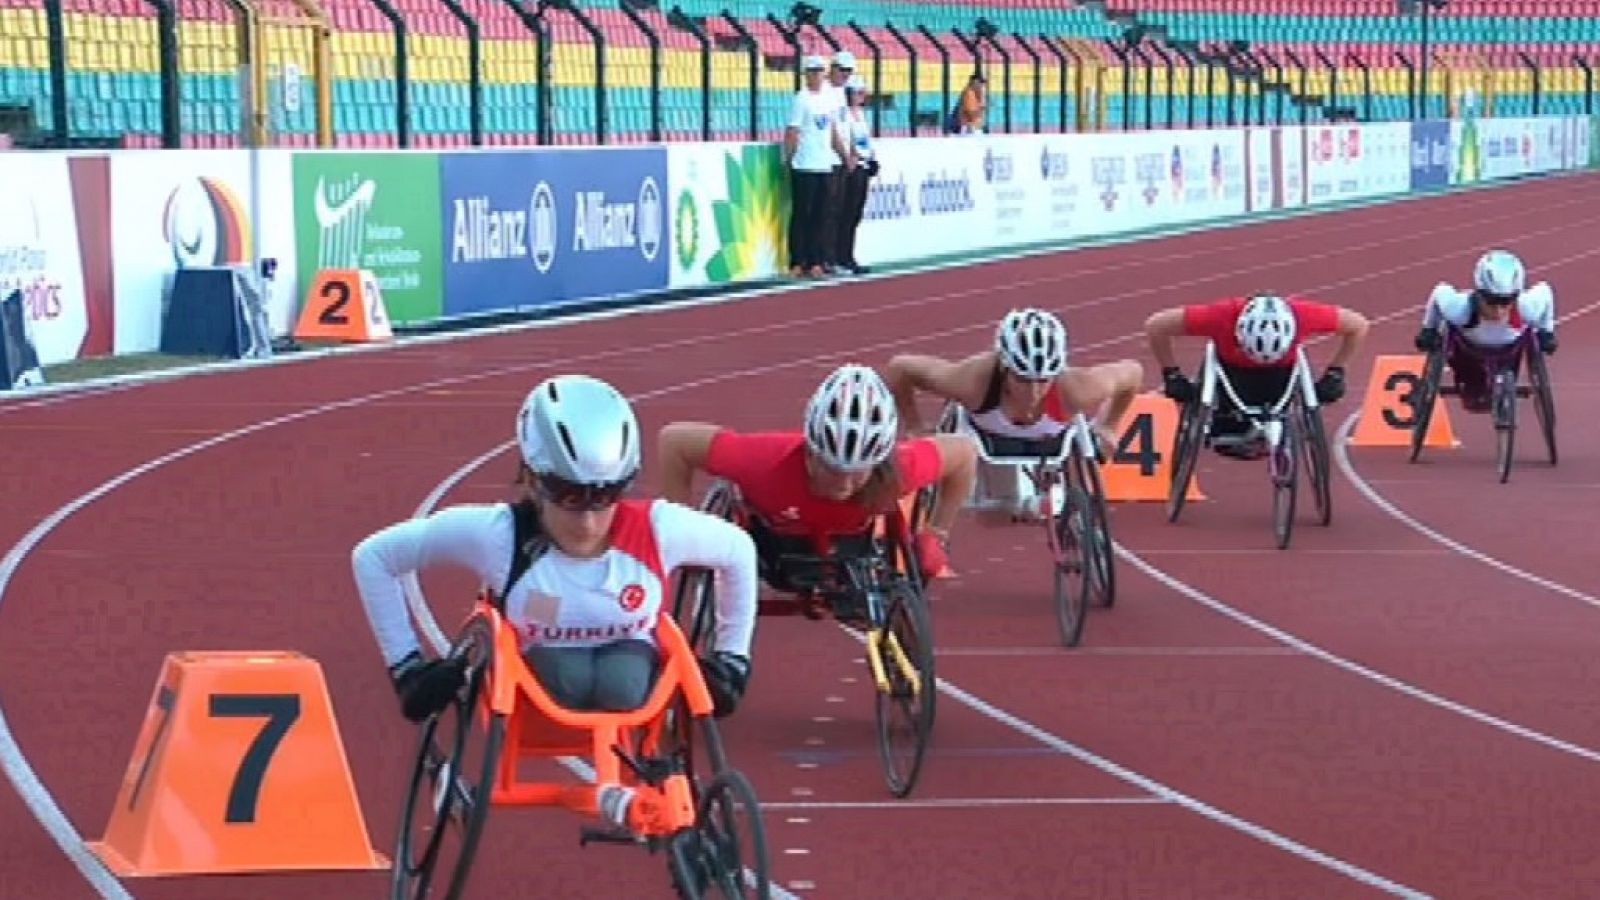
(1218, 320)
(769, 469)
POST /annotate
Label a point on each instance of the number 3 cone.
(238, 768)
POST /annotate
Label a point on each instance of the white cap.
(814, 62)
(855, 84)
(844, 59)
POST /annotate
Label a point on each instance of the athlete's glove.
(1176, 386)
(1427, 340)
(426, 687)
(1330, 387)
(726, 675)
(1547, 341)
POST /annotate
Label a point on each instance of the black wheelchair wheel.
(1069, 525)
(1544, 401)
(1193, 421)
(725, 854)
(694, 606)
(1423, 398)
(1505, 422)
(1315, 439)
(450, 785)
(1100, 554)
(1286, 482)
(905, 713)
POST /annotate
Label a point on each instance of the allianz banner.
(525, 228)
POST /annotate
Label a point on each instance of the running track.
(1402, 704)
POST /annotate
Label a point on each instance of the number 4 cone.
(1140, 467)
(239, 768)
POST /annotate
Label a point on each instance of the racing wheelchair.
(646, 749)
(1294, 431)
(1064, 472)
(869, 582)
(1502, 367)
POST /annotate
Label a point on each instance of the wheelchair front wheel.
(709, 857)
(453, 788)
(903, 646)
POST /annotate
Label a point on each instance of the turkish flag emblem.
(632, 598)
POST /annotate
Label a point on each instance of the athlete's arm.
(908, 373)
(1160, 329)
(682, 448)
(1351, 327)
(958, 469)
(688, 537)
(1113, 384)
(1537, 305)
(476, 537)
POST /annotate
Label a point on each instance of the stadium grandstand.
(445, 73)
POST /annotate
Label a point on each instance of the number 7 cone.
(238, 768)
(1140, 467)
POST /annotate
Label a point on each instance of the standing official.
(858, 133)
(839, 75)
(813, 145)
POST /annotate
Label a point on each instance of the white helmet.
(1499, 274)
(580, 430)
(851, 420)
(1265, 329)
(1032, 343)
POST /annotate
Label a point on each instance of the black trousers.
(811, 199)
(852, 205)
(1256, 386)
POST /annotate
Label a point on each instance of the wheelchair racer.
(833, 477)
(1021, 389)
(1489, 317)
(585, 589)
(1256, 338)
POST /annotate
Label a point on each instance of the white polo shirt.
(816, 114)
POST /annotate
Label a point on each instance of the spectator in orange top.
(974, 108)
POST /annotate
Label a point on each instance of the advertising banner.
(1334, 155)
(1385, 163)
(925, 201)
(178, 209)
(533, 227)
(39, 253)
(730, 219)
(1430, 155)
(374, 211)
(1264, 168)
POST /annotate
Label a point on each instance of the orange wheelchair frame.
(875, 591)
(648, 749)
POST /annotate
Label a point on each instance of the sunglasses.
(575, 497)
(1496, 299)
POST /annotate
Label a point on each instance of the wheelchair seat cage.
(1268, 418)
(1040, 459)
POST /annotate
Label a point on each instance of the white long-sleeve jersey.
(1535, 306)
(563, 600)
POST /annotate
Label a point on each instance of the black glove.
(1427, 340)
(1330, 387)
(1547, 341)
(726, 676)
(870, 167)
(426, 687)
(1176, 386)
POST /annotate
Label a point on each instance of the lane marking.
(1341, 452)
(1396, 207)
(1169, 794)
(1355, 668)
(43, 805)
(926, 803)
(1066, 654)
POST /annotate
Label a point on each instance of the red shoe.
(931, 555)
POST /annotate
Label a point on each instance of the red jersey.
(1217, 321)
(769, 469)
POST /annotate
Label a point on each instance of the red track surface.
(1151, 762)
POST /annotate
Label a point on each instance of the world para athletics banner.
(525, 228)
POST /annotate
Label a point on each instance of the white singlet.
(991, 418)
(560, 600)
(1535, 306)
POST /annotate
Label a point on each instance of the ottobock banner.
(1430, 155)
(537, 227)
